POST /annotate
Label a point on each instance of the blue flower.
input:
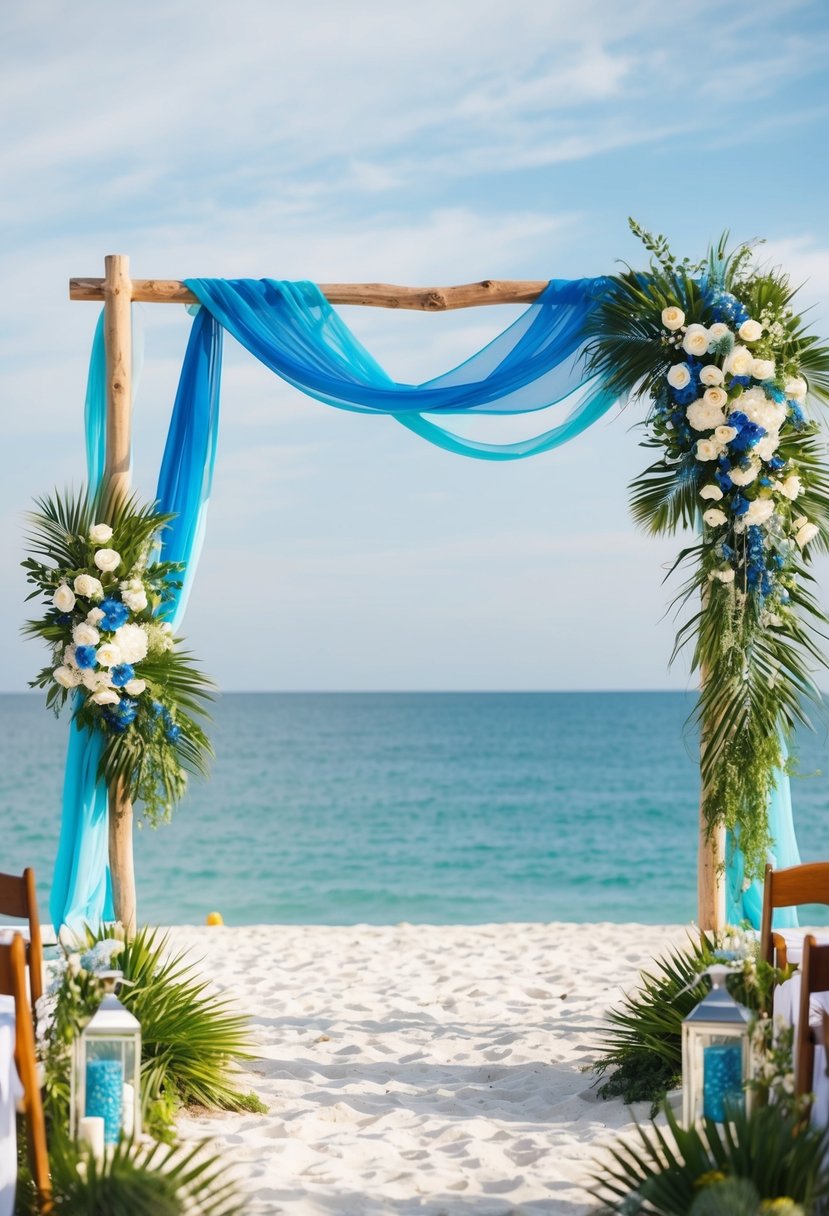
(121, 674)
(156, 708)
(127, 710)
(748, 433)
(744, 380)
(85, 656)
(115, 613)
(797, 415)
(739, 504)
(776, 463)
(772, 391)
(764, 481)
(723, 480)
(684, 396)
(172, 733)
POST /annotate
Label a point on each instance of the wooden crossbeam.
(372, 295)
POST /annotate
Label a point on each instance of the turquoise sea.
(344, 808)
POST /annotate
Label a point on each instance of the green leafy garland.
(726, 366)
(113, 658)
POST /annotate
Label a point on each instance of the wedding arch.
(729, 424)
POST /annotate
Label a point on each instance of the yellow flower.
(709, 1179)
(783, 1206)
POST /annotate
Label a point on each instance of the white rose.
(673, 318)
(99, 534)
(806, 533)
(796, 388)
(67, 677)
(109, 655)
(762, 369)
(724, 434)
(711, 374)
(106, 696)
(679, 375)
(711, 491)
(134, 688)
(131, 642)
(791, 487)
(767, 446)
(95, 680)
(704, 417)
(743, 477)
(94, 616)
(740, 361)
(758, 511)
(107, 560)
(718, 331)
(696, 340)
(800, 521)
(750, 331)
(715, 518)
(89, 587)
(134, 597)
(85, 635)
(64, 598)
(725, 576)
(707, 449)
(715, 396)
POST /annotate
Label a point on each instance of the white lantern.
(716, 1054)
(106, 1069)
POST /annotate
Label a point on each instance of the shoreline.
(430, 1069)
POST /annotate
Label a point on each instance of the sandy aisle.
(421, 1069)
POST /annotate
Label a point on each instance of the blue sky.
(429, 144)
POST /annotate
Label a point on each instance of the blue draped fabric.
(81, 888)
(534, 364)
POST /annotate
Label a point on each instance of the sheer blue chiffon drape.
(535, 364)
(81, 889)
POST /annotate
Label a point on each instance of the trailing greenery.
(758, 1162)
(190, 1040)
(641, 1051)
(725, 365)
(113, 657)
(133, 1180)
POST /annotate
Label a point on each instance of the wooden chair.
(18, 898)
(806, 884)
(13, 983)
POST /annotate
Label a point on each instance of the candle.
(128, 1109)
(91, 1130)
(722, 1072)
(104, 1095)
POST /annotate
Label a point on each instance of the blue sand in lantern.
(105, 1095)
(722, 1072)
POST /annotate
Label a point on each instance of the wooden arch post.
(117, 291)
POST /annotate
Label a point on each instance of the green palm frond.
(665, 1172)
(142, 1180)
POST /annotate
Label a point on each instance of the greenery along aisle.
(113, 656)
(726, 366)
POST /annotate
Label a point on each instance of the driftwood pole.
(117, 291)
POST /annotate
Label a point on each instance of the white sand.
(421, 1069)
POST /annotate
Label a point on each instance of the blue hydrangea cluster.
(119, 717)
(726, 307)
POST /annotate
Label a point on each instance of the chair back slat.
(18, 898)
(13, 983)
(806, 884)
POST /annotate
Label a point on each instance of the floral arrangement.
(728, 369)
(113, 657)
